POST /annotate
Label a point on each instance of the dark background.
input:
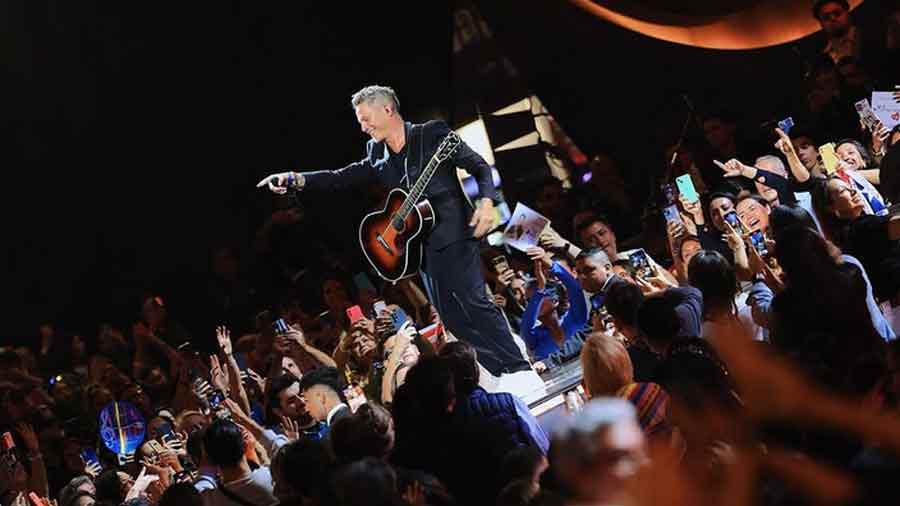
(139, 132)
(626, 94)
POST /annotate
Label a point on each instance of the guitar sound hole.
(398, 224)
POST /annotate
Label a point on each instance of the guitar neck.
(419, 188)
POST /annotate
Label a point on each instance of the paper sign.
(524, 227)
(886, 108)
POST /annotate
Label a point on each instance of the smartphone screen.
(758, 240)
(732, 218)
(668, 192)
(686, 188)
(89, 457)
(379, 307)
(280, 326)
(641, 263)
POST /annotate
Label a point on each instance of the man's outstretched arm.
(356, 173)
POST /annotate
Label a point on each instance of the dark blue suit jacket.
(444, 191)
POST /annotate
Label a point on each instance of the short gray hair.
(574, 442)
(376, 93)
(775, 161)
(596, 255)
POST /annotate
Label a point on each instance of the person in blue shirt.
(544, 330)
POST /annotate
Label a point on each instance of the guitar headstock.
(448, 147)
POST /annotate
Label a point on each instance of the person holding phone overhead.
(396, 154)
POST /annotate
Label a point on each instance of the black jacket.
(444, 191)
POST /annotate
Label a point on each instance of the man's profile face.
(835, 20)
(373, 119)
(591, 274)
(290, 402)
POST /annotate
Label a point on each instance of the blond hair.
(605, 365)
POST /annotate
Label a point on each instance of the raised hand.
(734, 168)
(499, 300)
(279, 182)
(29, 438)
(217, 375)
(539, 274)
(537, 253)
(260, 382)
(223, 335)
(290, 428)
(784, 143)
(506, 277)
(550, 239)
(879, 136)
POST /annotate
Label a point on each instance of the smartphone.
(501, 265)
(641, 263)
(732, 218)
(216, 397)
(866, 114)
(671, 213)
(686, 188)
(280, 326)
(55, 379)
(8, 450)
(786, 124)
(89, 457)
(829, 157)
(758, 240)
(399, 317)
(379, 306)
(354, 314)
(157, 447)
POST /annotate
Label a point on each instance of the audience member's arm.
(570, 349)
(577, 315)
(38, 476)
(298, 345)
(551, 240)
(739, 248)
(236, 385)
(798, 170)
(530, 426)
(402, 339)
(873, 175)
(760, 301)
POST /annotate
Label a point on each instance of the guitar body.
(394, 247)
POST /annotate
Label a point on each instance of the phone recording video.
(641, 264)
(758, 240)
(732, 219)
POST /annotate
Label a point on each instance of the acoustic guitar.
(391, 239)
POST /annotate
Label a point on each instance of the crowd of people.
(740, 347)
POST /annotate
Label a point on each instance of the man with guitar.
(397, 153)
